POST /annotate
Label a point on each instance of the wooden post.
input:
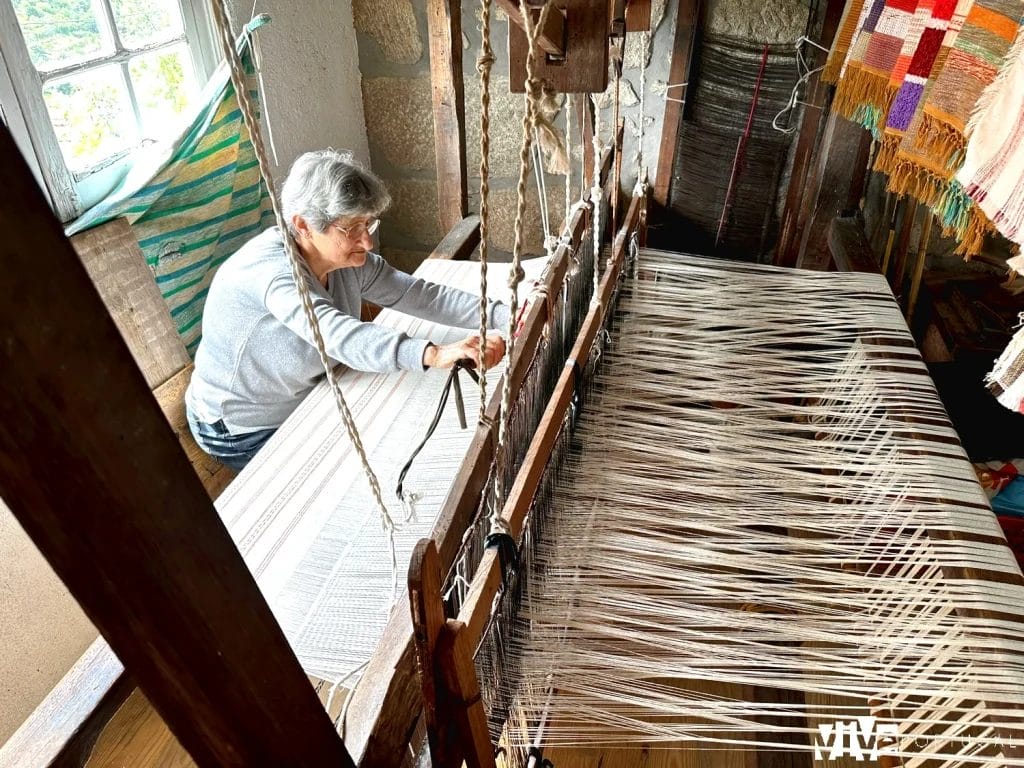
(903, 246)
(922, 257)
(444, 22)
(842, 167)
(816, 99)
(94, 474)
(427, 607)
(684, 42)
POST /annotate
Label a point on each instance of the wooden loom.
(135, 618)
(285, 725)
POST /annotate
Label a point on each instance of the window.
(87, 82)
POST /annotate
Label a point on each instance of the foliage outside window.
(109, 75)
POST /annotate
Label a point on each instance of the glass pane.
(92, 116)
(165, 85)
(144, 22)
(61, 33)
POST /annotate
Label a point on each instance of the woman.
(257, 359)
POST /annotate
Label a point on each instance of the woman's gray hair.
(326, 185)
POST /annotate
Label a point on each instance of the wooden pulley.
(574, 41)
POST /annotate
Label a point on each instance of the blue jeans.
(233, 450)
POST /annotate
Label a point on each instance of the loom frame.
(63, 730)
(455, 720)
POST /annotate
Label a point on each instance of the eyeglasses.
(357, 230)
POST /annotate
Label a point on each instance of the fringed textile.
(879, 57)
(933, 149)
(993, 170)
(849, 26)
(1006, 381)
(910, 90)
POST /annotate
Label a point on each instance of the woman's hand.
(446, 355)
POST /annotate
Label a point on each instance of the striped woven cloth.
(194, 203)
(934, 146)
(853, 19)
(937, 15)
(993, 169)
(878, 58)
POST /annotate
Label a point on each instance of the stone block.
(506, 130)
(400, 121)
(413, 215)
(392, 24)
(773, 21)
(502, 207)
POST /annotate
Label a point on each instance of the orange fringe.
(978, 227)
(859, 87)
(943, 143)
(907, 177)
(885, 159)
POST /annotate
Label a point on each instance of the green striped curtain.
(197, 203)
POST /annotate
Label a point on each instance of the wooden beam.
(839, 183)
(96, 478)
(460, 242)
(444, 24)
(65, 726)
(551, 37)
(688, 23)
(816, 102)
(582, 66)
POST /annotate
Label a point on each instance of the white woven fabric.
(302, 514)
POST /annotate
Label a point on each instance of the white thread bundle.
(768, 496)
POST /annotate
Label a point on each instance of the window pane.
(61, 33)
(165, 85)
(92, 116)
(143, 22)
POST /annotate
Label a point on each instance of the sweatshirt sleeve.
(386, 286)
(348, 340)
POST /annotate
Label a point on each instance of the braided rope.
(298, 266)
(483, 66)
(533, 95)
(596, 195)
(640, 187)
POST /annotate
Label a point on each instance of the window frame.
(25, 112)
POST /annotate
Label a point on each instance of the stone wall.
(394, 60)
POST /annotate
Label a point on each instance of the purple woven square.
(904, 106)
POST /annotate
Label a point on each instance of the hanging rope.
(640, 187)
(483, 66)
(596, 195)
(533, 95)
(299, 267)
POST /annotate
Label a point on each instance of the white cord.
(804, 73)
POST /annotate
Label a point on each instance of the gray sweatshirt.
(256, 361)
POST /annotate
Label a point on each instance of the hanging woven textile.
(908, 96)
(994, 162)
(933, 148)
(878, 59)
(193, 203)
